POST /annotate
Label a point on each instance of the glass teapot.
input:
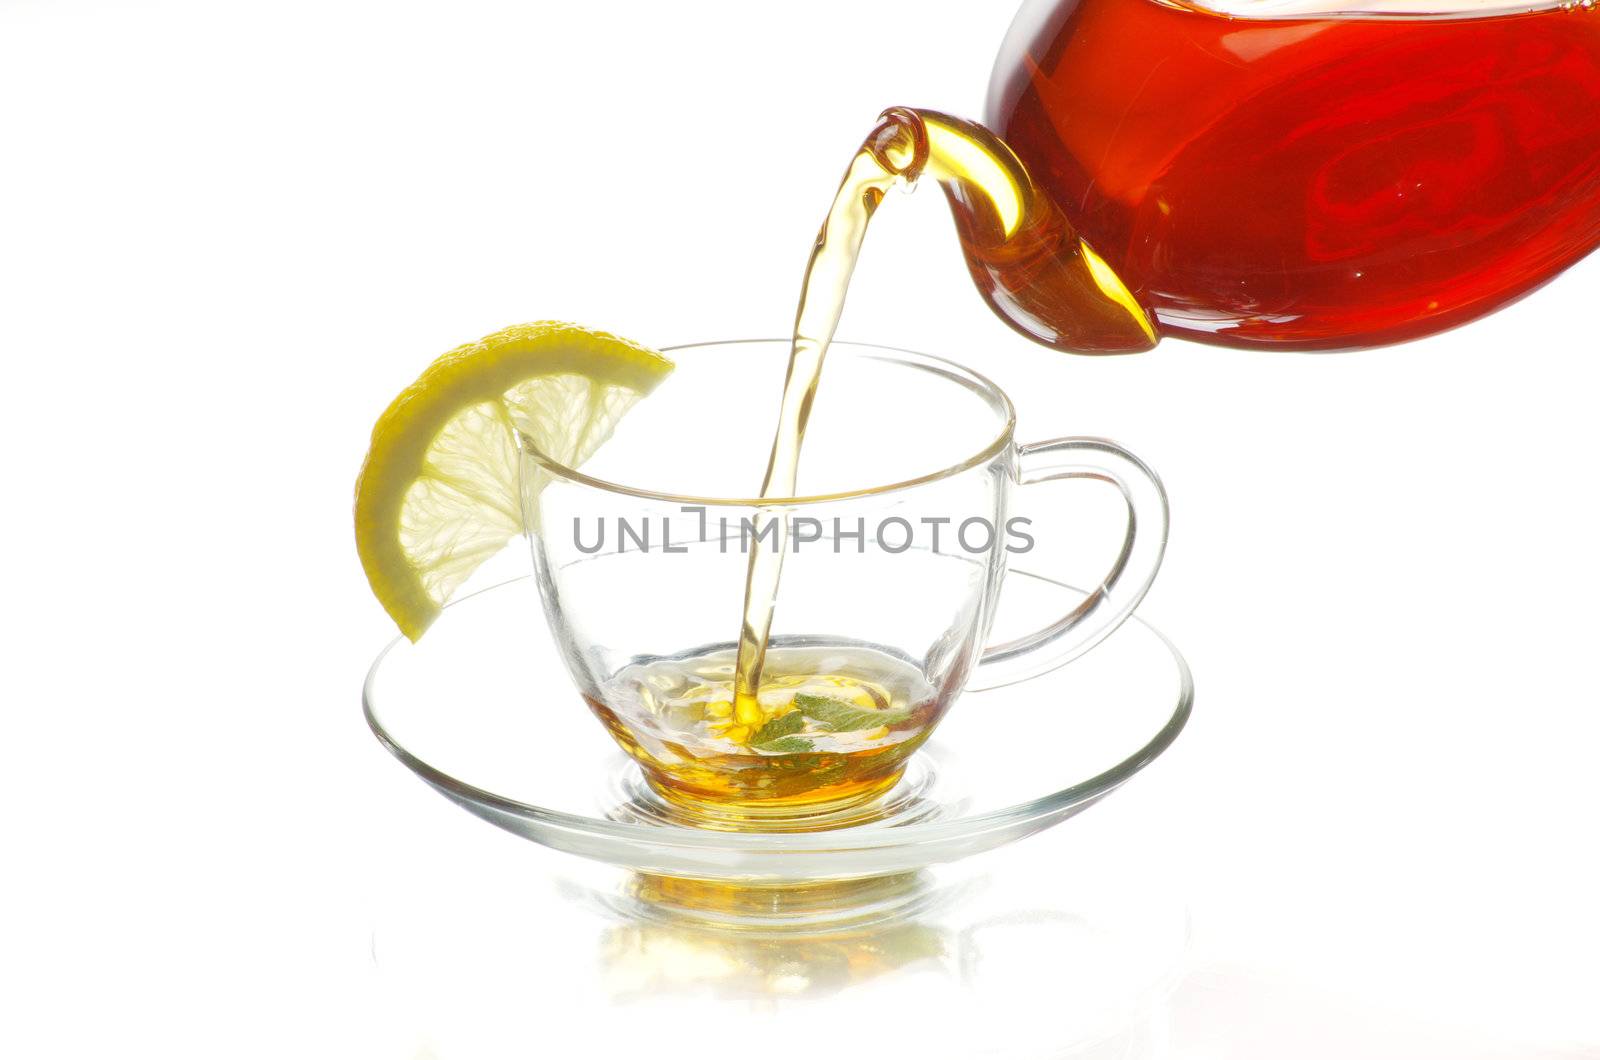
(1271, 173)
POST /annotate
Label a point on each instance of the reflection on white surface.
(1005, 959)
(674, 938)
(1075, 944)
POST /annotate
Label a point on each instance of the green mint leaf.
(835, 715)
(786, 745)
(783, 725)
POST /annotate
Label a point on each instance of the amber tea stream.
(762, 725)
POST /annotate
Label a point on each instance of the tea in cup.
(893, 560)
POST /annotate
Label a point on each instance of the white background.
(230, 232)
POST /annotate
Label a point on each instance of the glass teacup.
(893, 564)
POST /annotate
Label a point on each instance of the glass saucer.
(482, 709)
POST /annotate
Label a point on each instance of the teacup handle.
(1122, 588)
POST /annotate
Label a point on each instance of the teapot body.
(1310, 182)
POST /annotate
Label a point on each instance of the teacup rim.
(954, 368)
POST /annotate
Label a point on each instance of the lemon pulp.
(438, 492)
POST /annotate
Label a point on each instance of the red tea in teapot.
(1311, 181)
(1300, 181)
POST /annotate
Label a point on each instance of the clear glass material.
(1064, 948)
(894, 563)
(481, 710)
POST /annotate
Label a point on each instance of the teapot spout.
(1025, 256)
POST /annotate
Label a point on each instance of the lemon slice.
(438, 492)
